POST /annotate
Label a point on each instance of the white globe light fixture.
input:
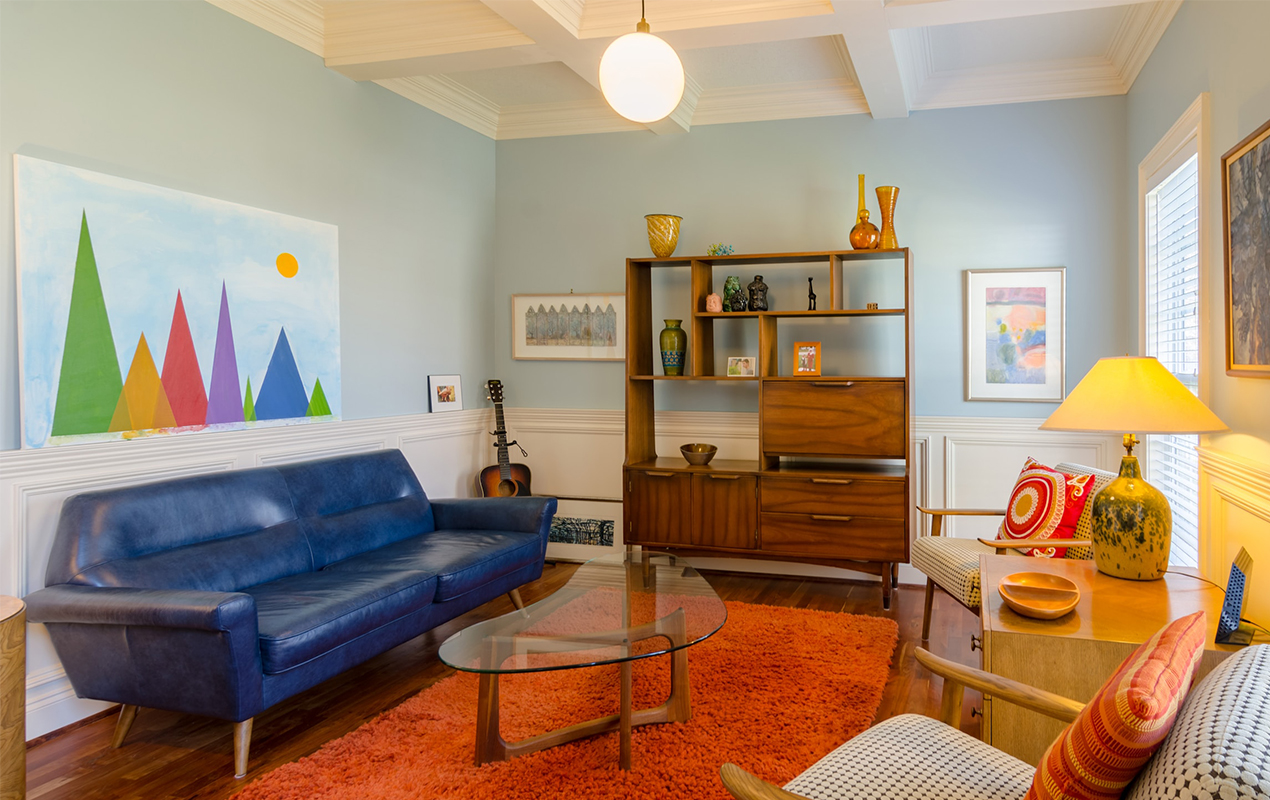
(641, 76)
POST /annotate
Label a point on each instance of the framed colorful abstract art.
(1245, 185)
(1016, 334)
(145, 310)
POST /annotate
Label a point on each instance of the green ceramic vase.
(674, 344)
(1132, 527)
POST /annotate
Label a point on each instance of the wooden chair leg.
(127, 714)
(930, 596)
(895, 575)
(242, 745)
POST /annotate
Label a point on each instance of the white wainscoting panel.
(445, 450)
(1234, 497)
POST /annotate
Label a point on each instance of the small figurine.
(811, 296)
(758, 294)
(714, 303)
(733, 297)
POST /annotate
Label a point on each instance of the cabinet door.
(834, 418)
(659, 506)
(725, 511)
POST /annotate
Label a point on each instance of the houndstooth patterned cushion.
(1085, 525)
(1219, 748)
(952, 563)
(911, 757)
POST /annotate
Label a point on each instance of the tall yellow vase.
(886, 199)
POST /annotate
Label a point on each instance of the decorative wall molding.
(450, 99)
(301, 22)
(1234, 495)
(1137, 36)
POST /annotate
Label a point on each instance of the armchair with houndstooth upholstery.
(1218, 748)
(952, 564)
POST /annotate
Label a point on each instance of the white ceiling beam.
(924, 13)
(443, 63)
(863, 26)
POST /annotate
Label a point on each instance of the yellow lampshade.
(1132, 394)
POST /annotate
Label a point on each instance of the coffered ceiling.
(514, 69)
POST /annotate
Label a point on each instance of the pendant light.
(641, 76)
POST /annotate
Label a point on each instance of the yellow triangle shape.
(142, 388)
(121, 419)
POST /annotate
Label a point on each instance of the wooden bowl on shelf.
(1039, 595)
(698, 454)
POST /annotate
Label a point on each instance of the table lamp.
(1132, 523)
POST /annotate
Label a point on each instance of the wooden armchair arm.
(938, 514)
(744, 786)
(1002, 545)
(958, 677)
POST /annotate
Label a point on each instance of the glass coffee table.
(614, 610)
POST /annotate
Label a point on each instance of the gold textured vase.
(1132, 526)
(886, 199)
(663, 233)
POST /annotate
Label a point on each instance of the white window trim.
(1173, 150)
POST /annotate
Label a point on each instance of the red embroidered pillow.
(1045, 504)
(1106, 746)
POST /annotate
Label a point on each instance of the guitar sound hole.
(506, 488)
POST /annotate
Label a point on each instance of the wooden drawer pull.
(832, 517)
(833, 481)
(660, 474)
(725, 477)
(834, 385)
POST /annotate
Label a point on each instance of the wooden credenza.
(1073, 656)
(12, 698)
(831, 482)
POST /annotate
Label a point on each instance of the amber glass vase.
(663, 233)
(886, 199)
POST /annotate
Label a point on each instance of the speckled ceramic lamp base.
(1132, 526)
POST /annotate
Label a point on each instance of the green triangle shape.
(317, 403)
(249, 405)
(89, 383)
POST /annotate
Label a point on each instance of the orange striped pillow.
(1115, 735)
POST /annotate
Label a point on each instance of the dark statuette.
(811, 296)
(758, 294)
(737, 301)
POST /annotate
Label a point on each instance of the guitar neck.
(500, 431)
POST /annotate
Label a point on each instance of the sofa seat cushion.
(304, 616)
(461, 560)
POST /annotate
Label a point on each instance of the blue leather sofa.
(223, 594)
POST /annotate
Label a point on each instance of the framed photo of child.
(807, 358)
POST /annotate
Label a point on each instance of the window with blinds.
(1172, 336)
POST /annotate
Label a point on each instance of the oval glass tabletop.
(616, 608)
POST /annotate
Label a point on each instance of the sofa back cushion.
(353, 504)
(218, 532)
(1219, 746)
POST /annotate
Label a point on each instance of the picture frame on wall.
(807, 359)
(569, 327)
(1016, 334)
(1245, 209)
(445, 393)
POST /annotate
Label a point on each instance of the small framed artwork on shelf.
(445, 393)
(1016, 334)
(740, 366)
(807, 359)
(569, 327)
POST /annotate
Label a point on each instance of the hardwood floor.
(169, 755)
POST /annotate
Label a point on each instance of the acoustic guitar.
(504, 479)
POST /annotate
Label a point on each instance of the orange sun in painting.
(287, 265)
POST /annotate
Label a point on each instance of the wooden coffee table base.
(490, 745)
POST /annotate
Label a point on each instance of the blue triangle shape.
(282, 394)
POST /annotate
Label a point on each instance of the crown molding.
(823, 98)
(561, 119)
(1135, 39)
(568, 13)
(607, 18)
(449, 98)
(301, 22)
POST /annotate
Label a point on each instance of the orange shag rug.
(773, 691)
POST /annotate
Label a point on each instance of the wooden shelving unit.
(849, 508)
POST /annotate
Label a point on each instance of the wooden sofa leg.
(127, 714)
(514, 594)
(242, 746)
(930, 595)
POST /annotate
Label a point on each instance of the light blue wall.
(1027, 185)
(1222, 48)
(184, 95)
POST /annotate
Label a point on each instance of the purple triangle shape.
(224, 401)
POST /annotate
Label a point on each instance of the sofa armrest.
(154, 608)
(516, 514)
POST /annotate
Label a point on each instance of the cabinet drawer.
(658, 504)
(834, 418)
(832, 495)
(860, 538)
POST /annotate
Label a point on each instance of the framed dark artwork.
(585, 528)
(1245, 189)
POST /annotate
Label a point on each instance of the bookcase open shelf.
(831, 484)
